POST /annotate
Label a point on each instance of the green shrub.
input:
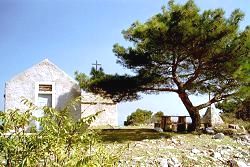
(230, 118)
(139, 117)
(61, 142)
(156, 118)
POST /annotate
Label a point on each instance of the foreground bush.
(61, 141)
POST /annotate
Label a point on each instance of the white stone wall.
(23, 85)
(212, 117)
(92, 104)
(66, 89)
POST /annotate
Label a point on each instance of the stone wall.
(92, 104)
(211, 117)
(23, 85)
(66, 89)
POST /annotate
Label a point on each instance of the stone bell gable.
(45, 84)
(211, 117)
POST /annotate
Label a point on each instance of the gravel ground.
(184, 150)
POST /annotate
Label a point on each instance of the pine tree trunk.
(196, 120)
(193, 112)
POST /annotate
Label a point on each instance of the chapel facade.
(45, 84)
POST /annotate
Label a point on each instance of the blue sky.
(75, 33)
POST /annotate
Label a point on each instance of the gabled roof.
(45, 61)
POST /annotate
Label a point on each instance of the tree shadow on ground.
(125, 135)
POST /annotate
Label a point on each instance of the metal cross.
(96, 65)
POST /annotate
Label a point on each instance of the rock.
(195, 151)
(173, 162)
(224, 153)
(237, 163)
(218, 136)
(137, 158)
(163, 162)
(244, 153)
(245, 138)
(232, 163)
(238, 155)
(174, 141)
(241, 164)
(216, 155)
(181, 143)
(204, 152)
(209, 130)
(228, 147)
(146, 140)
(191, 154)
(192, 158)
(158, 129)
(211, 150)
(233, 126)
(138, 145)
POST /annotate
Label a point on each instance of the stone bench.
(181, 125)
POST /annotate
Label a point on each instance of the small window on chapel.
(44, 94)
(45, 88)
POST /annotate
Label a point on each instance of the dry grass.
(145, 146)
(126, 135)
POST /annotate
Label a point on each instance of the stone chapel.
(45, 84)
